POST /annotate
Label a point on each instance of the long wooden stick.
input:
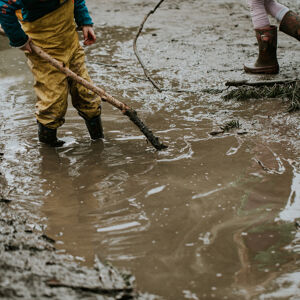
(126, 110)
(61, 67)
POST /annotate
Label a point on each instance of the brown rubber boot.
(266, 62)
(290, 24)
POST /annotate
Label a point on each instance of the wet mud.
(31, 268)
(213, 216)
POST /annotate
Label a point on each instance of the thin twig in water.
(135, 48)
(266, 169)
(54, 283)
(227, 127)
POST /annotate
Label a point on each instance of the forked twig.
(135, 47)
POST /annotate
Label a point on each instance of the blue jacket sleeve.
(10, 24)
(82, 16)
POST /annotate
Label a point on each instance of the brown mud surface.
(30, 268)
(211, 217)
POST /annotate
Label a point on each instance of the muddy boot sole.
(262, 70)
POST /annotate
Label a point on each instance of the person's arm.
(81, 14)
(84, 21)
(10, 24)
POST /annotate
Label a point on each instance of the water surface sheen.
(211, 217)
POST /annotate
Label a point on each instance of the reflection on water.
(287, 287)
(210, 217)
(291, 212)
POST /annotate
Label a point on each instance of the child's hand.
(26, 48)
(88, 35)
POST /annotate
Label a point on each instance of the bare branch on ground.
(135, 47)
(260, 83)
(95, 289)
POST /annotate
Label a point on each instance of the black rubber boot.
(94, 127)
(48, 136)
(290, 24)
(266, 62)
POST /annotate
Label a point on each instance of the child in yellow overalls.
(50, 24)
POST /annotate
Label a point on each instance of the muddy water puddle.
(212, 217)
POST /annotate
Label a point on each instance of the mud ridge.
(30, 268)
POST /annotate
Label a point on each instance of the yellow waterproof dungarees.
(56, 34)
